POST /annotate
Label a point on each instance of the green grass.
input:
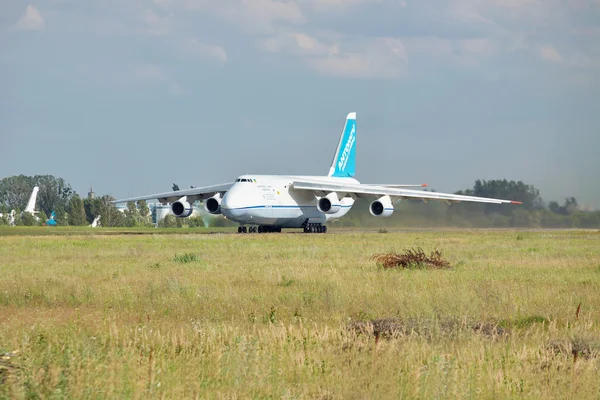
(89, 231)
(269, 316)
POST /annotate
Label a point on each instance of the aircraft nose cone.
(226, 202)
(230, 207)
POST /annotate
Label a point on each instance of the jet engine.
(213, 204)
(182, 208)
(329, 204)
(382, 207)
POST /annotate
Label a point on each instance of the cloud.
(340, 5)
(298, 44)
(31, 20)
(257, 16)
(353, 37)
(156, 24)
(150, 75)
(343, 57)
(549, 53)
(194, 47)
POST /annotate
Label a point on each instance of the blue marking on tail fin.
(344, 161)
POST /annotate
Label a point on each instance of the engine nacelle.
(382, 207)
(182, 208)
(329, 204)
(213, 205)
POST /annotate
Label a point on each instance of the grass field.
(156, 315)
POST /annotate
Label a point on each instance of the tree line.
(70, 209)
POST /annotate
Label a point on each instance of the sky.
(133, 96)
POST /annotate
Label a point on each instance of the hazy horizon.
(131, 98)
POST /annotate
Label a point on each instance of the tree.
(77, 216)
(27, 219)
(507, 190)
(554, 207)
(92, 208)
(54, 193)
(110, 216)
(144, 210)
(170, 221)
(195, 222)
(15, 191)
(571, 205)
(132, 216)
(61, 216)
(42, 217)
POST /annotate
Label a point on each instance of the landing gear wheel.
(239, 229)
(244, 229)
(261, 229)
(324, 228)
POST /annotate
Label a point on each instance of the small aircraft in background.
(51, 221)
(96, 222)
(30, 208)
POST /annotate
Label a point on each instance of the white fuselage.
(269, 200)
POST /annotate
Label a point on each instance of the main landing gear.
(259, 229)
(315, 228)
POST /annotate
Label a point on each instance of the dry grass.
(295, 316)
(429, 329)
(412, 259)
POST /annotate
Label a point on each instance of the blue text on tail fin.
(344, 160)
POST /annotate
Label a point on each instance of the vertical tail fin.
(344, 160)
(31, 203)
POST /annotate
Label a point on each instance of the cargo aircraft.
(268, 203)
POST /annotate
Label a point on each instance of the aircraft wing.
(395, 186)
(199, 193)
(361, 191)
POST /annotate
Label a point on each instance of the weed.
(412, 259)
(271, 317)
(186, 258)
(285, 282)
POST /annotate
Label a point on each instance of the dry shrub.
(412, 259)
(586, 348)
(426, 328)
(6, 365)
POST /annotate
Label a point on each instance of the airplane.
(268, 203)
(51, 221)
(30, 208)
(96, 222)
(10, 217)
